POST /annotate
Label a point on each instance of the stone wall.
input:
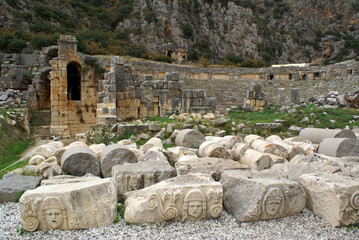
(229, 85)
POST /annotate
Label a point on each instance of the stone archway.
(73, 81)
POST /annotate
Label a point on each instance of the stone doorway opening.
(73, 81)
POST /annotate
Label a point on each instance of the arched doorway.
(73, 81)
(43, 91)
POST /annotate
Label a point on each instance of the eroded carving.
(30, 221)
(216, 198)
(166, 204)
(273, 203)
(53, 214)
(195, 205)
(254, 213)
(354, 200)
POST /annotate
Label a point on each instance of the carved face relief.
(272, 206)
(273, 202)
(54, 218)
(195, 208)
(182, 168)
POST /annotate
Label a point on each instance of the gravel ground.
(303, 226)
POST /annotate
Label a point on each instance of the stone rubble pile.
(11, 97)
(335, 100)
(252, 178)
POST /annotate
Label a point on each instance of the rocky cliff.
(275, 31)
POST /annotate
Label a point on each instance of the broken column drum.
(316, 135)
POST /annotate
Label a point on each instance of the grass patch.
(121, 210)
(18, 196)
(352, 227)
(11, 153)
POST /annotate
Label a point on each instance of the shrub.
(40, 41)
(233, 58)
(187, 31)
(160, 58)
(204, 61)
(150, 17)
(17, 45)
(192, 55)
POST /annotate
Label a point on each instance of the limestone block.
(214, 149)
(43, 150)
(79, 160)
(308, 148)
(59, 152)
(250, 138)
(276, 159)
(207, 165)
(151, 143)
(316, 135)
(56, 144)
(116, 154)
(12, 183)
(153, 156)
(333, 197)
(189, 138)
(239, 149)
(188, 197)
(77, 143)
(36, 160)
(173, 154)
(349, 166)
(252, 196)
(65, 179)
(292, 150)
(256, 160)
(80, 205)
(293, 171)
(339, 147)
(267, 147)
(97, 149)
(134, 176)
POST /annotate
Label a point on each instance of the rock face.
(333, 197)
(316, 135)
(79, 205)
(252, 196)
(188, 197)
(116, 154)
(13, 183)
(190, 138)
(339, 147)
(134, 176)
(79, 160)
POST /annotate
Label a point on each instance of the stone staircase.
(40, 124)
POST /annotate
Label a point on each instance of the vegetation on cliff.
(248, 33)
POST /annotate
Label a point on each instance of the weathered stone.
(189, 138)
(252, 196)
(12, 184)
(59, 152)
(292, 150)
(250, 138)
(173, 154)
(77, 143)
(79, 160)
(316, 135)
(153, 156)
(339, 147)
(333, 197)
(117, 154)
(151, 143)
(36, 160)
(267, 147)
(65, 179)
(134, 176)
(155, 127)
(43, 150)
(256, 160)
(214, 149)
(188, 197)
(293, 171)
(80, 205)
(238, 150)
(208, 165)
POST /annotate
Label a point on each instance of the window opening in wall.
(316, 75)
(73, 81)
(350, 71)
(270, 77)
(290, 76)
(169, 54)
(304, 76)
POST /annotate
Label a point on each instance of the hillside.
(246, 32)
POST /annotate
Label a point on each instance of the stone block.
(267, 147)
(190, 197)
(153, 142)
(80, 205)
(174, 76)
(252, 196)
(256, 160)
(214, 149)
(333, 197)
(316, 135)
(80, 160)
(208, 165)
(155, 127)
(339, 147)
(117, 154)
(12, 184)
(189, 138)
(134, 176)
